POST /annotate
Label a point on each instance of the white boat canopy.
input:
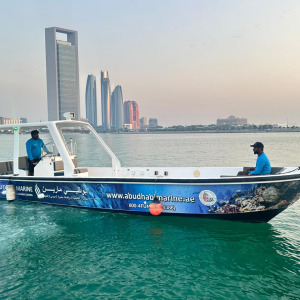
(55, 128)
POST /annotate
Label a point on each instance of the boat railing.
(72, 147)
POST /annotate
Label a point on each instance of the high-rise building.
(62, 73)
(105, 100)
(112, 111)
(136, 115)
(153, 123)
(117, 108)
(131, 114)
(128, 112)
(91, 100)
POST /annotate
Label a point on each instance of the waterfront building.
(144, 123)
(232, 120)
(8, 121)
(112, 112)
(91, 100)
(131, 114)
(23, 120)
(127, 126)
(153, 123)
(128, 112)
(136, 115)
(62, 73)
(105, 100)
(117, 108)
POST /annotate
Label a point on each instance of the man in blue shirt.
(34, 148)
(263, 166)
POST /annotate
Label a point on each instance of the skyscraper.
(117, 108)
(131, 114)
(128, 112)
(136, 116)
(62, 73)
(91, 100)
(105, 99)
(112, 112)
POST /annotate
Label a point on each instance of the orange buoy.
(155, 207)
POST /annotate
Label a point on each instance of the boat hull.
(258, 200)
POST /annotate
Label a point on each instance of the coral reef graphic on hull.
(175, 198)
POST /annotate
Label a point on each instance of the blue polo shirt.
(263, 165)
(34, 148)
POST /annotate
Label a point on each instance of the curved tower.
(128, 112)
(91, 100)
(117, 108)
(136, 116)
(131, 114)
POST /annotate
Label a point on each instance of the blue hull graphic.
(204, 200)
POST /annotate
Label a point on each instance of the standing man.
(34, 151)
(263, 166)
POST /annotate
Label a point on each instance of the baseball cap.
(34, 132)
(258, 145)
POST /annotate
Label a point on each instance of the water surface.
(50, 252)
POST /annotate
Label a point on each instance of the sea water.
(50, 252)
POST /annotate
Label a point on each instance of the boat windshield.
(81, 142)
(7, 140)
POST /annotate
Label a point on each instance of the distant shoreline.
(185, 132)
(203, 131)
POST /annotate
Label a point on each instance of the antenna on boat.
(69, 115)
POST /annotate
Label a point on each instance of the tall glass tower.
(105, 100)
(117, 108)
(91, 100)
(62, 73)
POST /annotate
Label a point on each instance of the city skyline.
(218, 58)
(62, 69)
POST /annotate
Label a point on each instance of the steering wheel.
(47, 154)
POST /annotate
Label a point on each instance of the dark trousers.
(32, 165)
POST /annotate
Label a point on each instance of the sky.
(184, 61)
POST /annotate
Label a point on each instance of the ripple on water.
(49, 252)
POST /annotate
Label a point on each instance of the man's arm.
(28, 150)
(259, 166)
(44, 147)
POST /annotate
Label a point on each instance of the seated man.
(263, 166)
(34, 151)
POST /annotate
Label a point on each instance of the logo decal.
(38, 192)
(208, 198)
